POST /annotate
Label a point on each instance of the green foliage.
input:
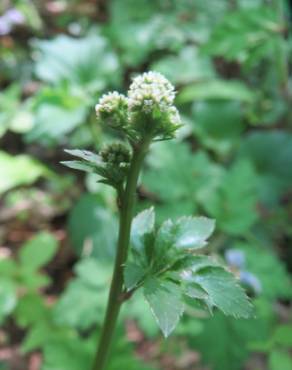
(92, 227)
(21, 280)
(85, 62)
(163, 263)
(19, 170)
(229, 61)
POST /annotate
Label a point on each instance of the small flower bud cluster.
(151, 90)
(147, 111)
(115, 153)
(112, 108)
(116, 158)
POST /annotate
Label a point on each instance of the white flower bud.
(149, 91)
(113, 109)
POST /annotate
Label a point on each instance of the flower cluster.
(147, 110)
(116, 158)
(115, 153)
(149, 91)
(112, 108)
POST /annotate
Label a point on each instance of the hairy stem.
(115, 296)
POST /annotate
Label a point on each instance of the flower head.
(113, 109)
(147, 111)
(149, 91)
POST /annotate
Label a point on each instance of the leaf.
(68, 353)
(78, 165)
(188, 66)
(224, 291)
(133, 273)
(233, 203)
(283, 335)
(93, 228)
(219, 132)
(88, 311)
(54, 121)
(216, 89)
(87, 61)
(245, 35)
(273, 166)
(184, 178)
(165, 301)
(273, 286)
(280, 360)
(192, 232)
(8, 298)
(31, 309)
(224, 341)
(38, 251)
(19, 170)
(86, 155)
(142, 225)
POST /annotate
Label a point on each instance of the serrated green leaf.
(192, 232)
(8, 298)
(78, 165)
(86, 155)
(142, 225)
(165, 301)
(133, 273)
(38, 251)
(224, 291)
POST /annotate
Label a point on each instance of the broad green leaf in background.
(165, 301)
(38, 251)
(275, 285)
(87, 62)
(280, 360)
(19, 170)
(186, 67)
(233, 203)
(8, 298)
(68, 353)
(271, 154)
(245, 35)
(93, 228)
(223, 342)
(89, 289)
(184, 179)
(216, 90)
(31, 309)
(53, 122)
(218, 124)
(13, 115)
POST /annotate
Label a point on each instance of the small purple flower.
(9, 19)
(14, 16)
(251, 280)
(235, 258)
(5, 27)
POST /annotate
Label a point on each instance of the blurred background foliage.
(230, 62)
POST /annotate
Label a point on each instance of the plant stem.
(115, 296)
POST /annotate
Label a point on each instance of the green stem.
(115, 296)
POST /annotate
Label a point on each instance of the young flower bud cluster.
(151, 91)
(116, 158)
(113, 109)
(148, 109)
